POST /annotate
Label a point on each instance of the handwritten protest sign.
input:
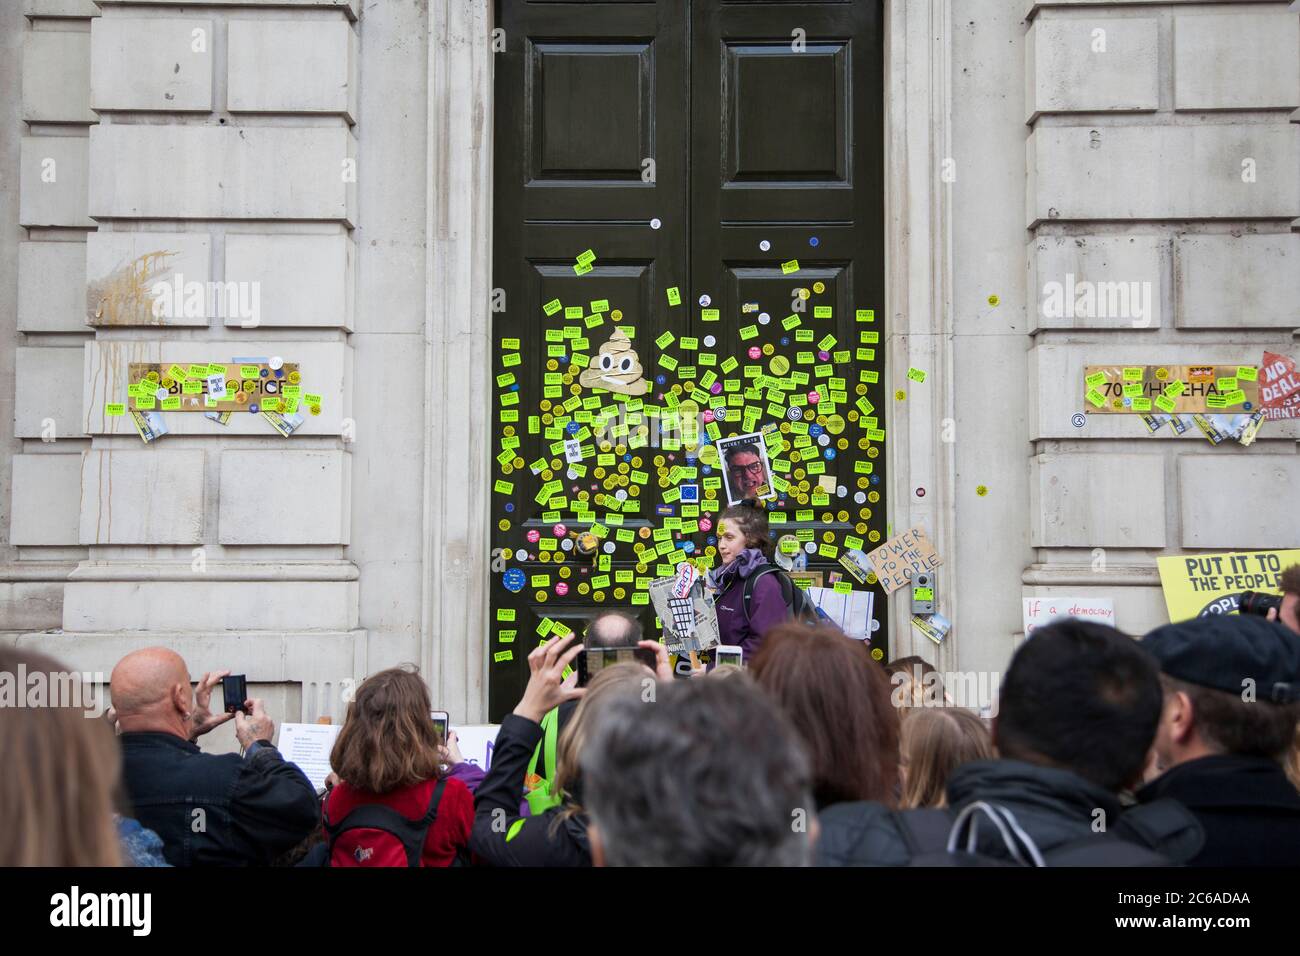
(1040, 610)
(1201, 584)
(901, 557)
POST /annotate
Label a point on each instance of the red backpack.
(376, 835)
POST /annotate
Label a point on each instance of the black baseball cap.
(1224, 651)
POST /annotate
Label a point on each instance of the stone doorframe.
(458, 258)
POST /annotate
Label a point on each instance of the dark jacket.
(1056, 808)
(501, 837)
(1247, 806)
(766, 610)
(254, 808)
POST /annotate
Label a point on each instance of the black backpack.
(796, 602)
(933, 837)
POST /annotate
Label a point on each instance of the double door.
(688, 246)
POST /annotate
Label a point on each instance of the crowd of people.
(1178, 748)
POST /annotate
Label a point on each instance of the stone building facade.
(339, 155)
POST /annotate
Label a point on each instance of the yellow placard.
(1202, 584)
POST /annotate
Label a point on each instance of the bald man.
(209, 809)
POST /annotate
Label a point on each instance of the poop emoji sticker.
(616, 368)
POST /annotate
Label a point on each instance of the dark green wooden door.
(692, 149)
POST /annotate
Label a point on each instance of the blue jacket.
(216, 809)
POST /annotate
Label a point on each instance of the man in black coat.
(1231, 703)
(1077, 714)
(209, 809)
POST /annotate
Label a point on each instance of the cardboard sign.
(1171, 389)
(1041, 610)
(1279, 388)
(901, 557)
(1197, 585)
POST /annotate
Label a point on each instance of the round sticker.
(755, 352)
(819, 287)
(706, 524)
(275, 363)
(981, 490)
(561, 589)
(705, 300)
(764, 245)
(533, 535)
(655, 224)
(813, 398)
(780, 365)
(813, 241)
(160, 394)
(559, 531)
(794, 413)
(709, 341)
(835, 424)
(566, 544)
(764, 318)
(514, 580)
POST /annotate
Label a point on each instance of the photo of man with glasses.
(745, 468)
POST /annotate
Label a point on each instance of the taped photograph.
(746, 472)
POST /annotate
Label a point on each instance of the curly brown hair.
(751, 518)
(388, 740)
(1289, 582)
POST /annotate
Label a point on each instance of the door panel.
(787, 150)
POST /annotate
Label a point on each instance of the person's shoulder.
(861, 833)
(456, 792)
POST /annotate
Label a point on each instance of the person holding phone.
(745, 550)
(395, 804)
(252, 807)
(558, 835)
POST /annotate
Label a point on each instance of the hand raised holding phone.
(547, 686)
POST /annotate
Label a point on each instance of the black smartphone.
(593, 660)
(234, 692)
(441, 723)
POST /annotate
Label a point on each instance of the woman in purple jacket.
(745, 549)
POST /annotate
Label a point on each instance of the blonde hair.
(61, 770)
(609, 683)
(934, 742)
